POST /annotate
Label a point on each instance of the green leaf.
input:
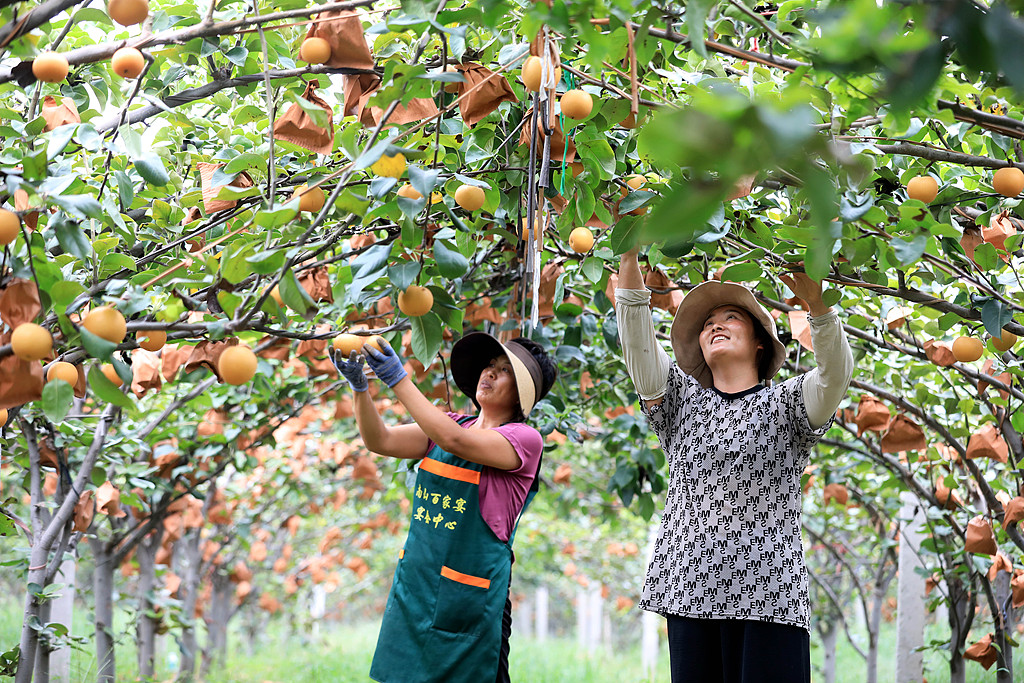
(7, 529)
(450, 262)
(125, 189)
(59, 139)
(696, 16)
(625, 234)
(296, 297)
(742, 272)
(593, 269)
(585, 202)
(95, 346)
(80, 205)
(601, 152)
(281, 215)
(426, 337)
(267, 262)
(422, 181)
(64, 292)
(986, 257)
(106, 390)
(403, 274)
(996, 315)
(58, 396)
(71, 237)
(151, 168)
(451, 316)
(635, 200)
(230, 192)
(237, 55)
(909, 251)
(235, 265)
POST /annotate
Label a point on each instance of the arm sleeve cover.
(826, 385)
(646, 361)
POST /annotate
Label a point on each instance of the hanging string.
(570, 84)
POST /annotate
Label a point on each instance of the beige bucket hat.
(692, 314)
(474, 352)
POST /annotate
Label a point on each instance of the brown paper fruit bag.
(872, 415)
(987, 443)
(836, 492)
(61, 113)
(492, 91)
(343, 31)
(21, 381)
(19, 302)
(980, 540)
(939, 352)
(1017, 588)
(1013, 511)
(982, 652)
(903, 435)
(296, 126)
(211, 205)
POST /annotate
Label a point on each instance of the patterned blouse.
(729, 544)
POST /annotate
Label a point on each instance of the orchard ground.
(342, 653)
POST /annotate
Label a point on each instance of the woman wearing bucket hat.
(449, 617)
(728, 568)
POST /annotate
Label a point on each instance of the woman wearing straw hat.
(449, 617)
(728, 568)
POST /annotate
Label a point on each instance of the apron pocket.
(461, 602)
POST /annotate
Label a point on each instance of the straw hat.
(694, 311)
(474, 352)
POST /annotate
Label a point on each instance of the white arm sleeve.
(826, 385)
(646, 361)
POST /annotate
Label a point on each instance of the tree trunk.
(874, 624)
(217, 624)
(103, 594)
(146, 625)
(910, 593)
(582, 610)
(188, 593)
(650, 624)
(1003, 626)
(45, 646)
(63, 613)
(594, 616)
(541, 630)
(317, 609)
(29, 635)
(961, 614)
(829, 638)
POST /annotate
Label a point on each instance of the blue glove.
(385, 364)
(351, 369)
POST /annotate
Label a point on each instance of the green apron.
(443, 617)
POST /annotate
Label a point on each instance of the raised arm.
(646, 361)
(402, 441)
(825, 386)
(483, 446)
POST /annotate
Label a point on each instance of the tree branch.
(36, 17)
(202, 92)
(937, 154)
(102, 51)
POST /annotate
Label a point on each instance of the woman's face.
(497, 385)
(728, 334)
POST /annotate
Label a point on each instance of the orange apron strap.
(467, 579)
(443, 469)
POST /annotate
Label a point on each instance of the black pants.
(737, 651)
(506, 633)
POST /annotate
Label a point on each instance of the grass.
(342, 654)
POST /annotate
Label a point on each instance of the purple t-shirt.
(503, 492)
